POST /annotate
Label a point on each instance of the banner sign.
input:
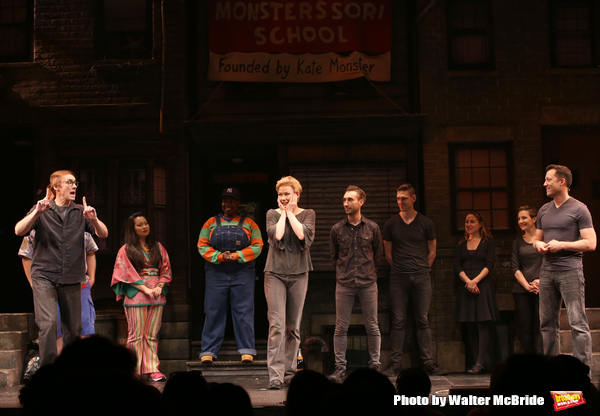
(299, 41)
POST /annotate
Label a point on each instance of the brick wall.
(505, 103)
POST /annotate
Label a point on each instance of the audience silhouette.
(96, 377)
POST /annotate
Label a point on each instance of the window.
(572, 34)
(480, 178)
(125, 29)
(469, 30)
(160, 203)
(118, 189)
(16, 28)
(92, 185)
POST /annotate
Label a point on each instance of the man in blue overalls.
(229, 243)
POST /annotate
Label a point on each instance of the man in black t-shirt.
(410, 248)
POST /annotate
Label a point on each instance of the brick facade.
(163, 110)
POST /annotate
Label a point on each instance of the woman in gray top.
(526, 264)
(290, 231)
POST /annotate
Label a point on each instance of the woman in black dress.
(476, 305)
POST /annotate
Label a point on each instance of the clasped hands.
(551, 246)
(471, 286)
(154, 293)
(228, 257)
(534, 286)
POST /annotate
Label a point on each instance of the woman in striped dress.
(141, 278)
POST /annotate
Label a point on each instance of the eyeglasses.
(71, 183)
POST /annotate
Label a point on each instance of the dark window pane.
(463, 158)
(469, 34)
(464, 178)
(481, 158)
(481, 177)
(481, 201)
(470, 49)
(500, 220)
(16, 30)
(500, 200)
(126, 29)
(464, 200)
(571, 33)
(499, 177)
(481, 182)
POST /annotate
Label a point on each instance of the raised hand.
(293, 204)
(43, 204)
(281, 206)
(89, 212)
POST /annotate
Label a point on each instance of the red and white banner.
(299, 41)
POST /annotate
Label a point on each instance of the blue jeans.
(344, 300)
(229, 283)
(567, 286)
(418, 288)
(285, 300)
(45, 296)
(88, 313)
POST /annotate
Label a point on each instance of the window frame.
(556, 35)
(453, 148)
(27, 28)
(102, 41)
(453, 32)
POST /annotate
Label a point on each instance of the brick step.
(12, 359)
(566, 341)
(169, 366)
(258, 368)
(174, 330)
(228, 351)
(13, 340)
(9, 378)
(14, 322)
(593, 315)
(177, 313)
(174, 349)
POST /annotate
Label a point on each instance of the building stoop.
(566, 342)
(228, 363)
(174, 338)
(14, 333)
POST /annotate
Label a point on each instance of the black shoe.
(434, 370)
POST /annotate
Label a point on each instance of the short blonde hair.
(55, 179)
(289, 181)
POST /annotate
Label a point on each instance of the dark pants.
(403, 288)
(45, 296)
(527, 307)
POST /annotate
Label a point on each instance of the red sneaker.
(157, 376)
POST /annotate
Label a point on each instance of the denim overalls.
(229, 283)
